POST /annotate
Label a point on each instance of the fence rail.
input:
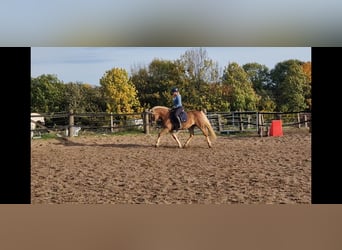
(222, 122)
(230, 122)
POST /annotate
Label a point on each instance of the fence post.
(240, 121)
(71, 123)
(305, 121)
(233, 118)
(146, 121)
(310, 125)
(257, 121)
(248, 121)
(219, 122)
(298, 119)
(111, 122)
(260, 126)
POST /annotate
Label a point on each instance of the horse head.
(154, 115)
(159, 112)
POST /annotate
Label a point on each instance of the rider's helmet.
(173, 90)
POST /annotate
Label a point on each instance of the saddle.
(183, 117)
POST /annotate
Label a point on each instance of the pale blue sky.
(170, 23)
(89, 64)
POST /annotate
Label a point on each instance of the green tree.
(140, 80)
(290, 86)
(242, 95)
(82, 97)
(154, 84)
(74, 97)
(260, 78)
(94, 100)
(47, 94)
(119, 91)
(307, 88)
(217, 97)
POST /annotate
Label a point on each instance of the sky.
(89, 64)
(37, 23)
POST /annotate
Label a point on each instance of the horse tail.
(207, 123)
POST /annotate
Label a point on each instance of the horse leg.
(205, 133)
(165, 130)
(177, 140)
(208, 141)
(192, 133)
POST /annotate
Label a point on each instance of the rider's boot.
(179, 123)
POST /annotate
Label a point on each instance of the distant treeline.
(202, 84)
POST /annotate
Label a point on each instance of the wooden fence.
(223, 122)
(232, 122)
(69, 123)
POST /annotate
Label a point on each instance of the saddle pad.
(183, 116)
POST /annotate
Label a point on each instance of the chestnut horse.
(195, 118)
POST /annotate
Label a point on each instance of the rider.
(177, 105)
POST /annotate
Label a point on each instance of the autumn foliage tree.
(119, 92)
(307, 88)
(250, 87)
(290, 86)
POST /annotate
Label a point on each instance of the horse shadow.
(66, 142)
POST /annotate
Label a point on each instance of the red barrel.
(276, 128)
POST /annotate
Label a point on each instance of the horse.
(194, 119)
(36, 118)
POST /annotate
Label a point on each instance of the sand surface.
(128, 169)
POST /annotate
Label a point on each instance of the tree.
(47, 94)
(290, 86)
(260, 78)
(307, 88)
(74, 97)
(217, 97)
(199, 67)
(154, 84)
(199, 71)
(140, 80)
(242, 95)
(119, 91)
(94, 100)
(82, 97)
